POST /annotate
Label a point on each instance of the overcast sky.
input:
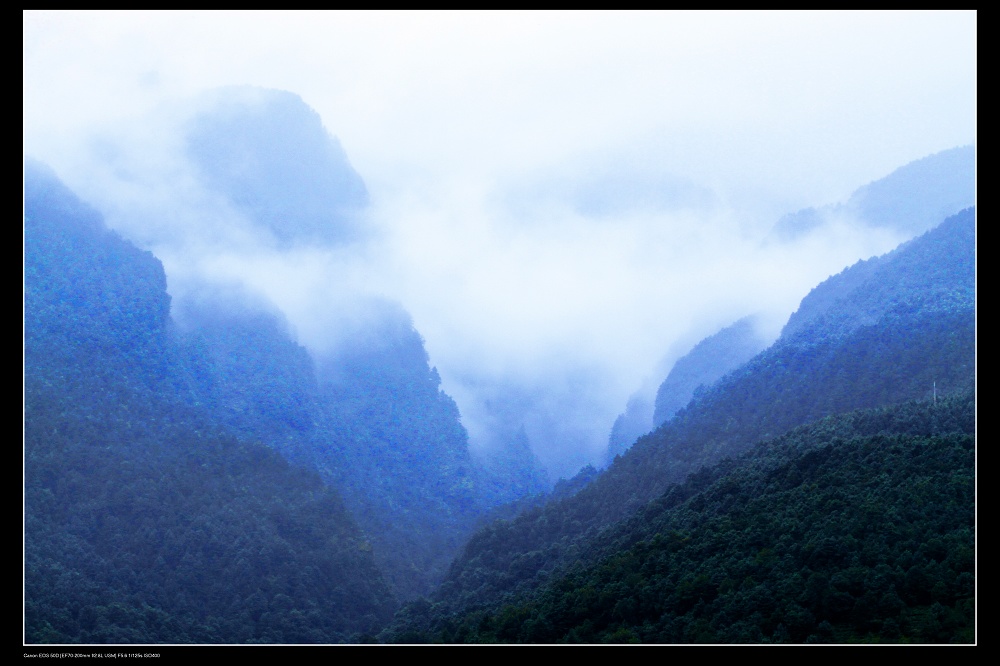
(475, 131)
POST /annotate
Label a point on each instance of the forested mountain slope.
(394, 442)
(934, 273)
(699, 368)
(368, 413)
(372, 420)
(925, 333)
(908, 201)
(145, 519)
(370, 416)
(859, 527)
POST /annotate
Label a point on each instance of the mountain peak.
(268, 152)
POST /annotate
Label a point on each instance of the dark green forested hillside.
(87, 290)
(145, 521)
(144, 526)
(857, 528)
(238, 362)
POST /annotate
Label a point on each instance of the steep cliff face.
(390, 437)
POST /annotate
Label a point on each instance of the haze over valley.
(438, 305)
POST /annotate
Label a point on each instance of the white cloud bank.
(484, 138)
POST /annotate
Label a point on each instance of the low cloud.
(564, 204)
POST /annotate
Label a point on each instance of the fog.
(563, 202)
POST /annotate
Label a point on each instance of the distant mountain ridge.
(909, 201)
(696, 370)
(709, 360)
(915, 197)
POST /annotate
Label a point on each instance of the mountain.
(268, 153)
(194, 474)
(630, 425)
(365, 411)
(239, 362)
(698, 369)
(87, 288)
(147, 520)
(708, 361)
(858, 528)
(915, 197)
(924, 335)
(369, 417)
(909, 201)
(390, 437)
(369, 414)
(935, 273)
(511, 471)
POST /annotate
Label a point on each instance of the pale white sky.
(757, 99)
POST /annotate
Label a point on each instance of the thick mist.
(564, 204)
